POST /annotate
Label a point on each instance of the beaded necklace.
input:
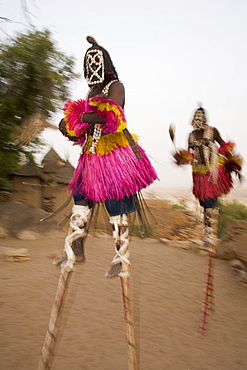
(105, 90)
(209, 152)
(97, 130)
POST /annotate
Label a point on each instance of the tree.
(34, 78)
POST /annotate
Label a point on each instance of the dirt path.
(166, 288)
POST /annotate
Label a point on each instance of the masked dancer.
(213, 161)
(112, 167)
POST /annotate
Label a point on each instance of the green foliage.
(34, 78)
(228, 212)
(182, 203)
(177, 206)
(9, 158)
(142, 231)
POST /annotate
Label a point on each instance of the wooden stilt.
(121, 266)
(53, 326)
(132, 352)
(210, 241)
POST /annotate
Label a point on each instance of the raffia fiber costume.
(212, 169)
(212, 179)
(110, 169)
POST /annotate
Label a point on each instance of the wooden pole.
(121, 266)
(210, 241)
(51, 335)
(132, 352)
(207, 303)
(53, 326)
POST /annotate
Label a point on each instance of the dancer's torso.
(201, 141)
(102, 92)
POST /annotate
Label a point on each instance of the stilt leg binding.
(120, 263)
(78, 221)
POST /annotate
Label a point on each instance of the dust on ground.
(166, 289)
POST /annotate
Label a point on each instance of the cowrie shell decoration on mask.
(95, 72)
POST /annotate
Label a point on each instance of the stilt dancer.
(112, 168)
(211, 167)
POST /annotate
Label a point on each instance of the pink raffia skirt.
(112, 176)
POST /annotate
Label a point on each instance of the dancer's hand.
(177, 157)
(62, 127)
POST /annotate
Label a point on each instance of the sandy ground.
(166, 289)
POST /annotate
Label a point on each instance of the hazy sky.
(170, 55)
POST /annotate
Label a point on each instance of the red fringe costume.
(213, 179)
(212, 169)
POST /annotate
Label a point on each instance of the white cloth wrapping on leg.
(77, 224)
(210, 229)
(122, 255)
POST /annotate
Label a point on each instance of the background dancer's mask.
(199, 119)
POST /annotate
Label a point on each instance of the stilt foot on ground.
(114, 270)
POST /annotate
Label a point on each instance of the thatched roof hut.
(46, 186)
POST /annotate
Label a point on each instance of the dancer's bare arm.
(117, 94)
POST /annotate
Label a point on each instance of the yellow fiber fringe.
(109, 142)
